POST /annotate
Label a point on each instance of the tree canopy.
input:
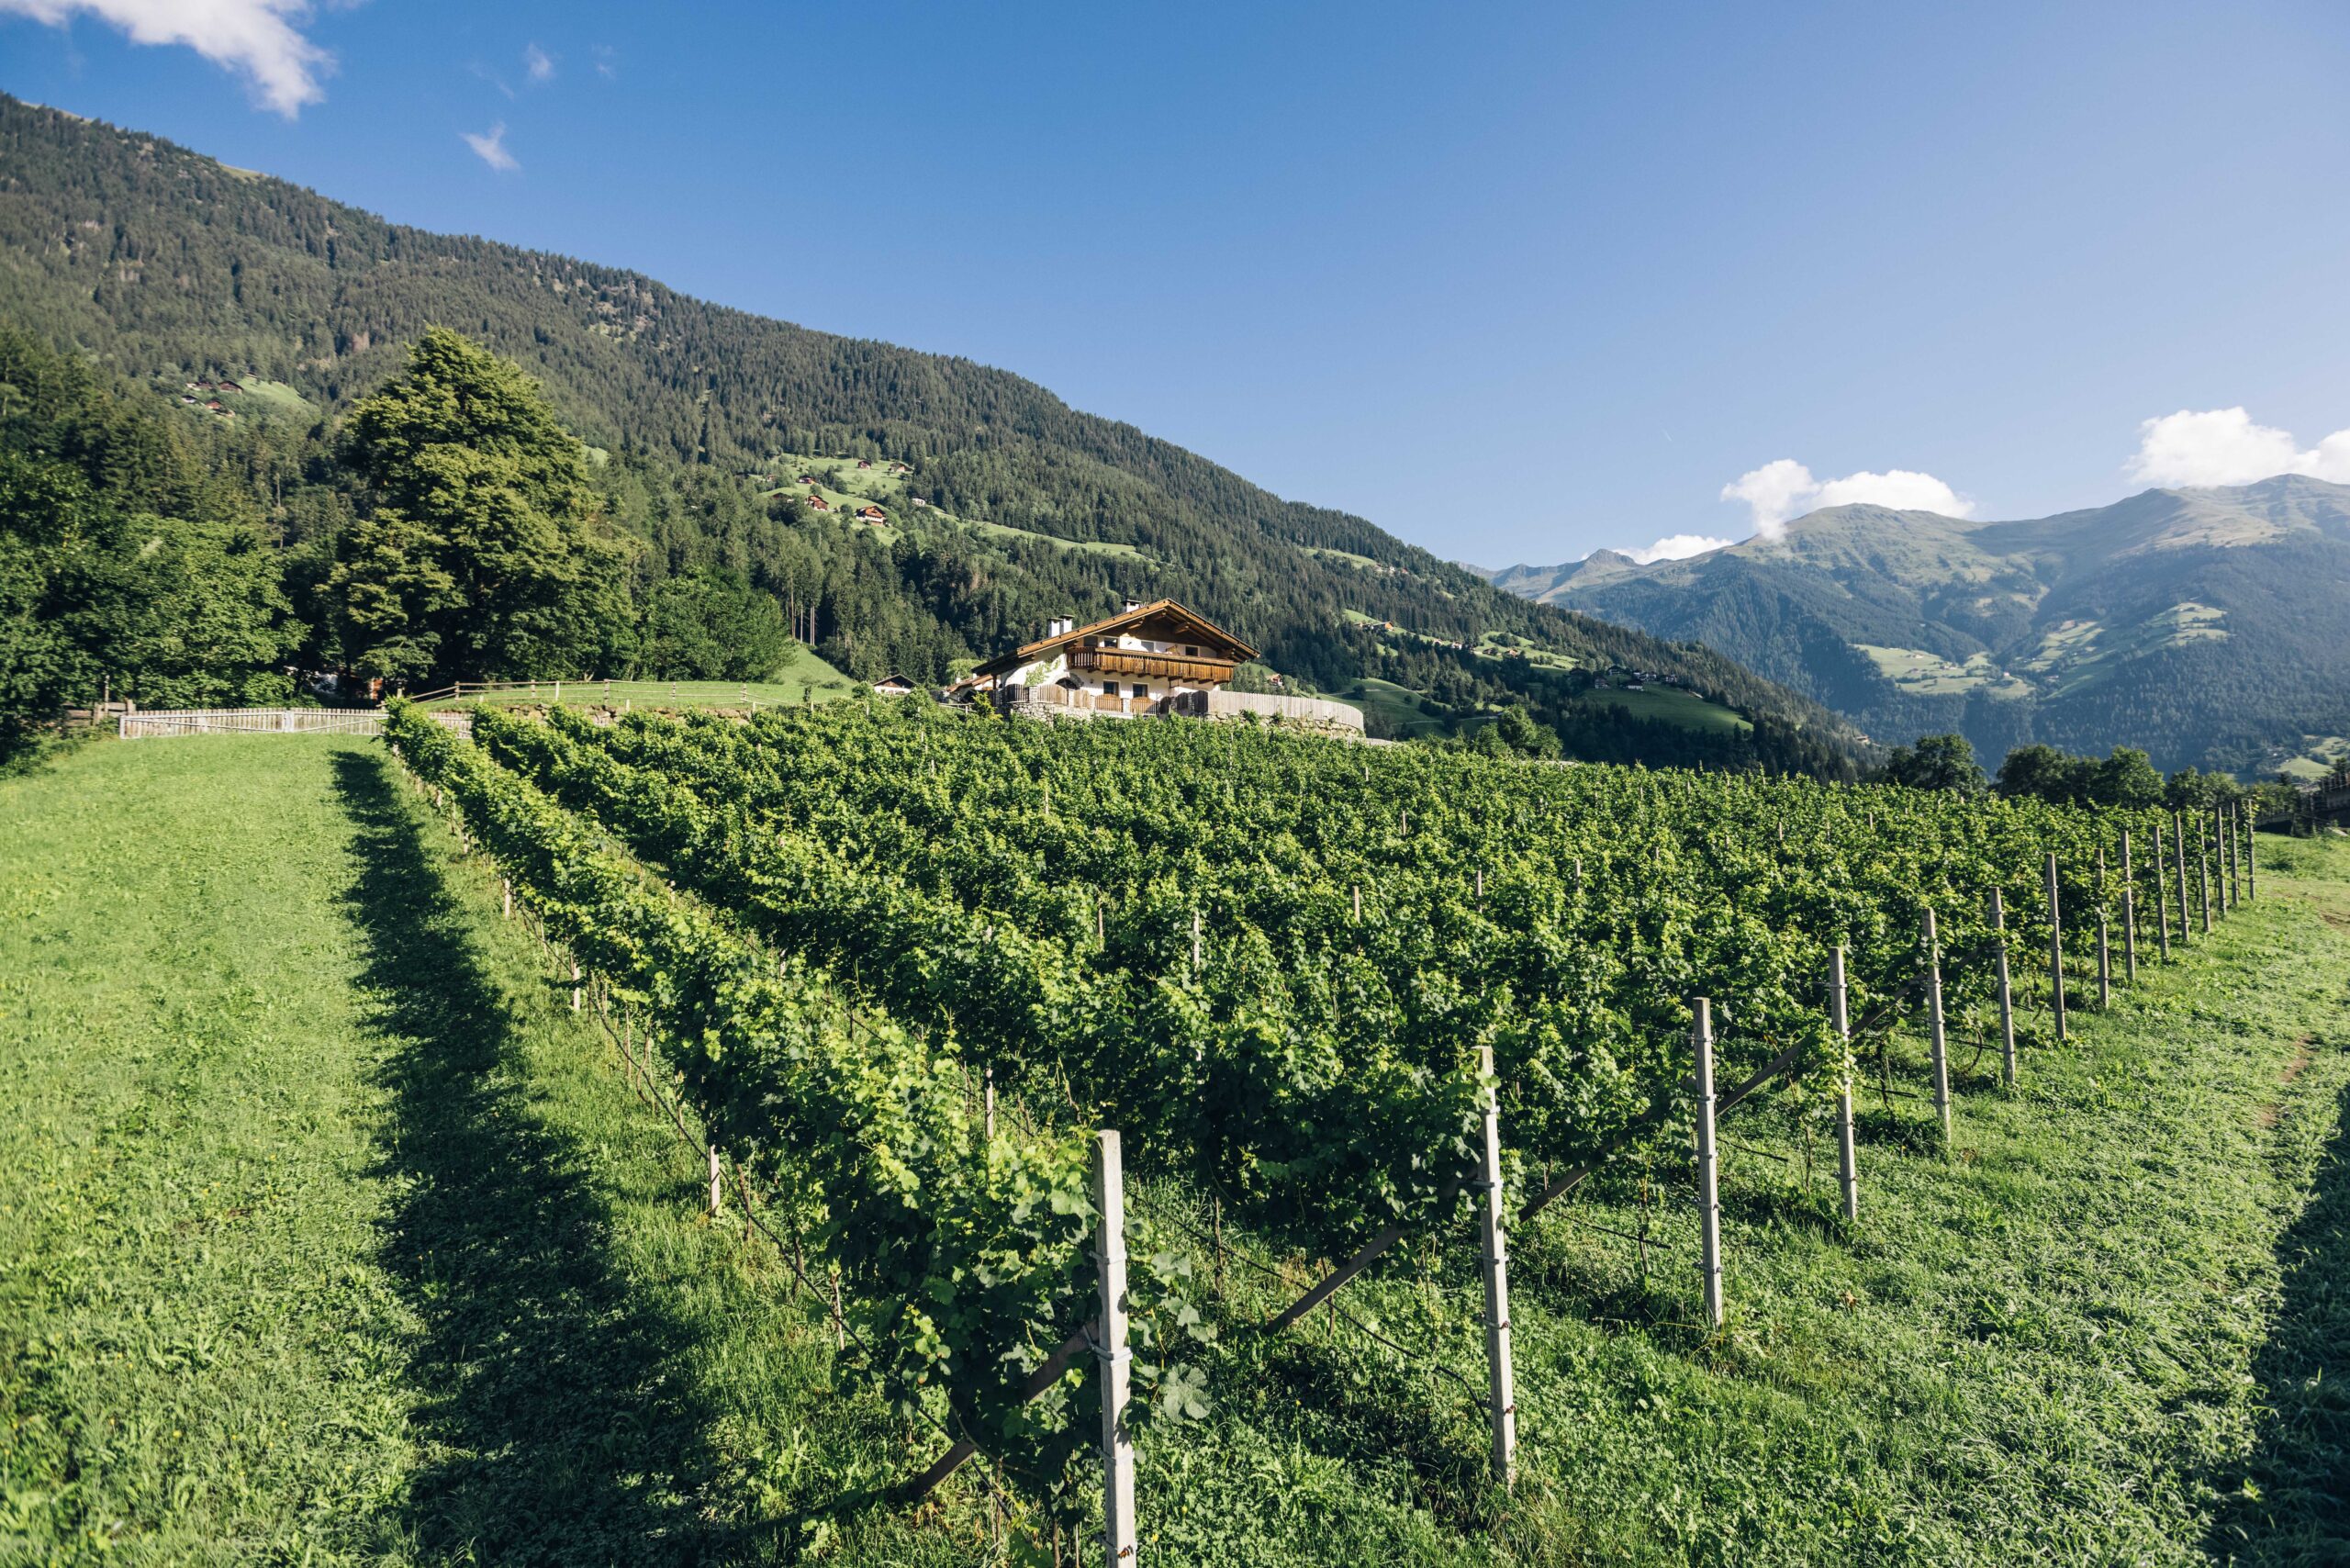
(481, 547)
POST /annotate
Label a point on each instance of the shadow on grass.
(2300, 1469)
(554, 1424)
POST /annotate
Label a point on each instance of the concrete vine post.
(717, 1185)
(1938, 1036)
(1501, 1392)
(2007, 993)
(1117, 1360)
(2055, 951)
(1848, 1173)
(1710, 1204)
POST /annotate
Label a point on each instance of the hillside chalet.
(872, 514)
(818, 503)
(1129, 663)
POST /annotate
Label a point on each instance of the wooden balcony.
(1163, 666)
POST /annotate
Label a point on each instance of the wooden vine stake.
(1709, 1202)
(2203, 879)
(2129, 915)
(505, 897)
(2162, 897)
(2104, 965)
(2235, 833)
(574, 986)
(1501, 1392)
(2055, 951)
(717, 1185)
(1938, 1036)
(1848, 1170)
(1117, 1360)
(2007, 993)
(2251, 866)
(2178, 853)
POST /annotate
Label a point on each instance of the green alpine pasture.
(329, 1233)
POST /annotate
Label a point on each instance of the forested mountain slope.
(167, 267)
(2209, 626)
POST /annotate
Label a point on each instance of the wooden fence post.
(1118, 1443)
(1709, 1205)
(1501, 1394)
(1937, 1036)
(2055, 951)
(2251, 863)
(1848, 1174)
(2129, 915)
(2162, 897)
(2006, 994)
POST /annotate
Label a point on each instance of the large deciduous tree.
(481, 550)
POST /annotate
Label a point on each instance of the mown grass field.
(804, 678)
(327, 1232)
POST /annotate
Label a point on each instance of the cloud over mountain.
(2222, 446)
(1785, 488)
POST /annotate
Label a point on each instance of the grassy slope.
(470, 1300)
(326, 1234)
(821, 683)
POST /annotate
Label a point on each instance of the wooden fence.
(251, 721)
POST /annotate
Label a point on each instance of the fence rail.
(251, 721)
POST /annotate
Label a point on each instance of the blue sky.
(1515, 281)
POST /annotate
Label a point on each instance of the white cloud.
(1785, 488)
(540, 67)
(1678, 547)
(492, 149)
(260, 38)
(2222, 446)
(606, 63)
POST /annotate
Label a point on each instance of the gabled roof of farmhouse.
(1195, 625)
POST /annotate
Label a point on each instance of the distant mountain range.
(2209, 626)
